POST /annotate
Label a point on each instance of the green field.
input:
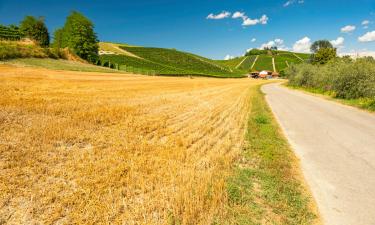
(264, 62)
(162, 61)
(247, 63)
(281, 59)
(58, 64)
(232, 63)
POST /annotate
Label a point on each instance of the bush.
(35, 29)
(10, 49)
(345, 78)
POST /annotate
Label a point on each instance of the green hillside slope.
(162, 61)
(264, 62)
(231, 63)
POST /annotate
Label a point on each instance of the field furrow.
(84, 148)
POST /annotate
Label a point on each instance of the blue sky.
(187, 26)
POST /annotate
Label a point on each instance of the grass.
(266, 187)
(304, 56)
(362, 103)
(280, 60)
(264, 62)
(81, 148)
(16, 49)
(246, 65)
(180, 62)
(58, 64)
(231, 63)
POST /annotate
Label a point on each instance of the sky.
(214, 28)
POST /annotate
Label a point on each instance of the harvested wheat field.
(91, 148)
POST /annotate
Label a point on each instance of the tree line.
(77, 35)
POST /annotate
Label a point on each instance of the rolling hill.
(282, 60)
(162, 61)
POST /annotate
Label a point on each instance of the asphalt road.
(336, 146)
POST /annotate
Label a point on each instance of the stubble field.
(91, 148)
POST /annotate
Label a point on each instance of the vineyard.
(11, 33)
(246, 63)
(264, 62)
(283, 59)
(161, 61)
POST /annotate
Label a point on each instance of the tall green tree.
(319, 45)
(324, 55)
(35, 29)
(79, 36)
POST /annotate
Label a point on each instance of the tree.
(320, 44)
(323, 55)
(35, 29)
(79, 36)
(58, 38)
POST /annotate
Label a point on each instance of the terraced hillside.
(165, 62)
(282, 60)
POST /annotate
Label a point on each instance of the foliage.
(79, 36)
(343, 78)
(11, 33)
(319, 45)
(324, 55)
(35, 29)
(10, 50)
(255, 51)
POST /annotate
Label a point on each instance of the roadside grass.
(267, 187)
(58, 64)
(362, 103)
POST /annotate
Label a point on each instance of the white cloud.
(228, 57)
(302, 45)
(365, 22)
(279, 43)
(253, 40)
(348, 29)
(368, 37)
(338, 43)
(237, 15)
(263, 19)
(250, 22)
(290, 2)
(219, 16)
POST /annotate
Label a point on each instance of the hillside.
(263, 61)
(161, 61)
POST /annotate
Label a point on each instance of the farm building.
(265, 74)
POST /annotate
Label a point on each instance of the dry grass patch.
(105, 148)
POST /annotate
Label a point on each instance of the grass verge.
(267, 187)
(362, 103)
(59, 64)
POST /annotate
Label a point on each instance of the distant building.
(264, 74)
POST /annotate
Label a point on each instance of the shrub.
(10, 49)
(345, 78)
(35, 29)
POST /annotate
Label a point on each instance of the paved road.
(336, 146)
